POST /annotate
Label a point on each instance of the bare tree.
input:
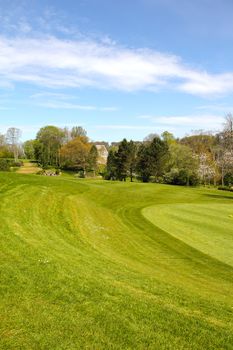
(2, 140)
(77, 131)
(12, 136)
(150, 137)
(225, 151)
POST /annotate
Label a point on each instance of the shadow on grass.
(219, 196)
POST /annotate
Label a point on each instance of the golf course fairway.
(92, 264)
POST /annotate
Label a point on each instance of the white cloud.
(51, 62)
(212, 122)
(55, 100)
(66, 105)
(123, 127)
(60, 96)
(217, 107)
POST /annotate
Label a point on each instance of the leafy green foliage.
(92, 159)
(151, 159)
(29, 149)
(182, 166)
(4, 164)
(47, 146)
(75, 154)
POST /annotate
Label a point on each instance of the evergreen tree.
(158, 150)
(111, 165)
(132, 147)
(151, 159)
(143, 165)
(122, 160)
(92, 159)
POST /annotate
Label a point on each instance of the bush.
(225, 188)
(228, 179)
(40, 172)
(194, 180)
(17, 164)
(180, 177)
(4, 164)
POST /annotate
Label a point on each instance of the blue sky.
(122, 68)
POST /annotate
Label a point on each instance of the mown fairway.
(101, 265)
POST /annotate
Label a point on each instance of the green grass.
(100, 265)
(207, 226)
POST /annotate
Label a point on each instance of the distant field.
(106, 265)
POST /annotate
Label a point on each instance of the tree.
(150, 137)
(122, 160)
(12, 136)
(182, 166)
(143, 165)
(151, 159)
(228, 131)
(75, 154)
(158, 150)
(92, 159)
(207, 169)
(132, 147)
(200, 143)
(111, 167)
(77, 131)
(47, 146)
(29, 149)
(4, 149)
(2, 140)
(168, 137)
(204, 146)
(224, 151)
(67, 135)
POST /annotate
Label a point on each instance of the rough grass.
(99, 265)
(28, 168)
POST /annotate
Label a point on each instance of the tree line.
(200, 158)
(53, 147)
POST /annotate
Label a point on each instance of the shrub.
(180, 177)
(228, 179)
(16, 164)
(4, 164)
(225, 188)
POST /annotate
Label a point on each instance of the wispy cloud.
(217, 108)
(58, 95)
(123, 127)
(66, 105)
(206, 121)
(62, 101)
(52, 62)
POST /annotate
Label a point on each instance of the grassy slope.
(83, 268)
